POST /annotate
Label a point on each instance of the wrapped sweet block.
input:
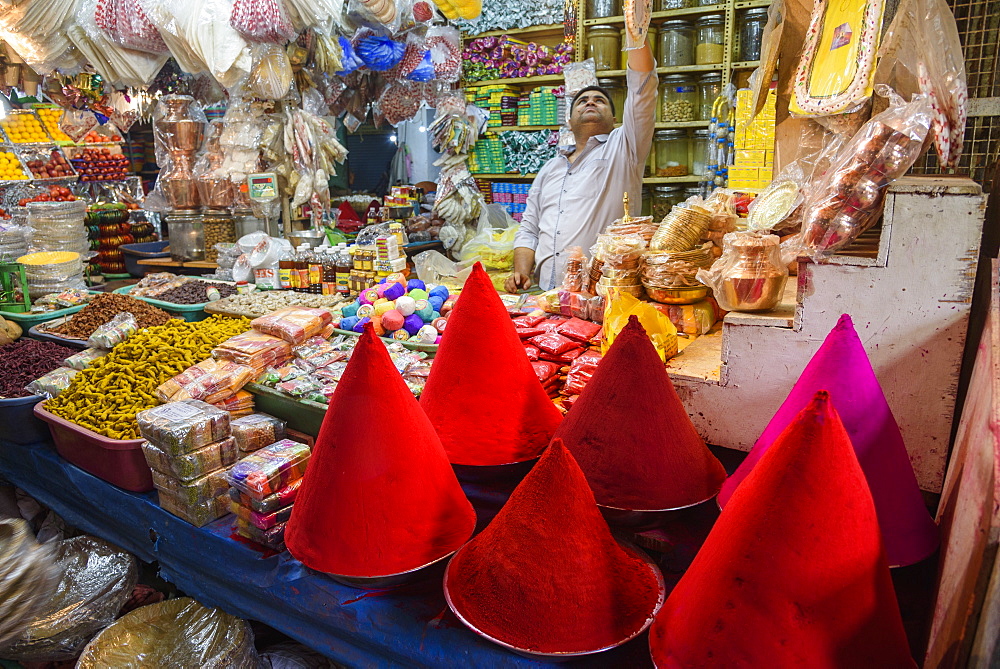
(195, 464)
(182, 427)
(270, 469)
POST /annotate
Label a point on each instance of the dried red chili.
(24, 360)
(546, 574)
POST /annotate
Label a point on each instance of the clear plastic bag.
(272, 502)
(192, 465)
(125, 22)
(256, 431)
(493, 244)
(194, 492)
(114, 332)
(182, 427)
(175, 633)
(80, 361)
(76, 123)
(847, 199)
(210, 381)
(293, 324)
(750, 275)
(52, 383)
(262, 21)
(199, 514)
(254, 349)
(271, 74)
(270, 469)
(95, 580)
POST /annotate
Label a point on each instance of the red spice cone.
(546, 575)
(632, 436)
(482, 395)
(841, 366)
(379, 496)
(794, 572)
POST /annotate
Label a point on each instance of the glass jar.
(699, 152)
(219, 228)
(603, 45)
(616, 89)
(671, 148)
(709, 89)
(664, 5)
(710, 42)
(664, 198)
(650, 40)
(752, 32)
(678, 98)
(707, 3)
(647, 202)
(187, 236)
(599, 9)
(692, 191)
(676, 43)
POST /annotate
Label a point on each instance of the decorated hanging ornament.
(380, 53)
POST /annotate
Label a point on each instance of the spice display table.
(410, 626)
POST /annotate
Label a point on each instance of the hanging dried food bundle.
(262, 21)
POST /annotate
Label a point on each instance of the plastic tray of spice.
(270, 469)
(189, 312)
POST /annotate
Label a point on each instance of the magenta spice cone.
(841, 366)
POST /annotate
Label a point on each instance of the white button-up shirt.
(570, 203)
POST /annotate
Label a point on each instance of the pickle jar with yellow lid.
(671, 147)
(650, 40)
(604, 46)
(616, 89)
(676, 42)
(678, 98)
(710, 41)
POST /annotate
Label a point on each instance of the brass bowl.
(687, 295)
(603, 290)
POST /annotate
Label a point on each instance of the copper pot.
(756, 278)
(180, 193)
(216, 193)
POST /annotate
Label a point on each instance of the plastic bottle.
(302, 268)
(343, 270)
(316, 271)
(286, 264)
(330, 271)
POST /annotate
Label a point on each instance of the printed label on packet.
(177, 412)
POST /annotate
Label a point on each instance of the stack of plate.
(681, 229)
(670, 276)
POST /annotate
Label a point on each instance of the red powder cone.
(379, 496)
(841, 366)
(794, 573)
(482, 395)
(632, 436)
(546, 575)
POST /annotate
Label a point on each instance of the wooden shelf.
(555, 28)
(687, 179)
(666, 125)
(517, 81)
(513, 175)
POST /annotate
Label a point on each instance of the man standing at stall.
(575, 196)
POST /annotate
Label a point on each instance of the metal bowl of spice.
(643, 519)
(511, 471)
(392, 580)
(567, 656)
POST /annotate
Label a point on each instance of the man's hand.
(517, 282)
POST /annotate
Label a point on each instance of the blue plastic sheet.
(409, 626)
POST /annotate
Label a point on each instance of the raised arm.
(640, 106)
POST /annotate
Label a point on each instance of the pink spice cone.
(842, 367)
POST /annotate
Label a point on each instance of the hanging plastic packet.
(76, 123)
(114, 332)
(271, 74)
(262, 21)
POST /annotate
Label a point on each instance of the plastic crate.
(120, 462)
(135, 252)
(302, 415)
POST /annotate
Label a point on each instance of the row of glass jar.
(658, 200)
(680, 42)
(675, 153)
(599, 9)
(682, 97)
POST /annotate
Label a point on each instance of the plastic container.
(120, 462)
(187, 236)
(187, 312)
(676, 43)
(136, 252)
(18, 422)
(35, 333)
(28, 319)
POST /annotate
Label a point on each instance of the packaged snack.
(262, 521)
(532, 352)
(210, 381)
(181, 427)
(299, 387)
(563, 358)
(195, 464)
(273, 538)
(530, 320)
(528, 333)
(199, 514)
(194, 492)
(114, 332)
(52, 383)
(317, 352)
(554, 343)
(580, 372)
(545, 370)
(293, 324)
(579, 330)
(242, 400)
(256, 431)
(272, 502)
(254, 349)
(270, 469)
(82, 359)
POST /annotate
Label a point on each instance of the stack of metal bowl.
(619, 257)
(669, 277)
(681, 229)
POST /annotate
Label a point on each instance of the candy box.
(270, 469)
(195, 464)
(181, 427)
